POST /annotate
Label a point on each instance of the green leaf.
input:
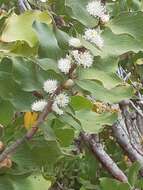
(48, 64)
(128, 23)
(5, 183)
(23, 49)
(114, 45)
(20, 27)
(79, 102)
(113, 95)
(109, 80)
(39, 153)
(23, 157)
(139, 183)
(92, 122)
(63, 132)
(33, 182)
(87, 185)
(26, 74)
(77, 10)
(123, 186)
(82, 188)
(48, 43)
(6, 112)
(107, 183)
(133, 173)
(45, 152)
(11, 91)
(65, 135)
(62, 38)
(71, 120)
(47, 129)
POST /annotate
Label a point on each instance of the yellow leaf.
(29, 119)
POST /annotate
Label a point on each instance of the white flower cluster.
(60, 101)
(64, 65)
(75, 42)
(50, 86)
(97, 9)
(43, 1)
(93, 36)
(39, 105)
(83, 58)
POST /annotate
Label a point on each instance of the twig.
(129, 124)
(29, 135)
(125, 144)
(134, 106)
(22, 6)
(104, 158)
(42, 117)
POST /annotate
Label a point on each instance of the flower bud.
(105, 18)
(7, 163)
(1, 146)
(68, 84)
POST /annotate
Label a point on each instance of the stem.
(124, 142)
(21, 5)
(137, 110)
(103, 157)
(29, 135)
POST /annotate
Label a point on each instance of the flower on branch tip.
(50, 86)
(64, 65)
(75, 42)
(96, 8)
(56, 109)
(83, 58)
(39, 105)
(105, 18)
(94, 37)
(60, 101)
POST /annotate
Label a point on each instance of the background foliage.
(31, 42)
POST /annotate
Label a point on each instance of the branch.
(29, 135)
(129, 123)
(104, 158)
(137, 109)
(23, 5)
(125, 144)
(42, 117)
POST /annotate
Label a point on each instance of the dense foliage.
(71, 103)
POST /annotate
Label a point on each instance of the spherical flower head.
(105, 18)
(56, 109)
(43, 1)
(86, 59)
(95, 8)
(75, 42)
(50, 86)
(99, 42)
(94, 37)
(76, 56)
(83, 58)
(90, 34)
(62, 100)
(64, 65)
(38, 105)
